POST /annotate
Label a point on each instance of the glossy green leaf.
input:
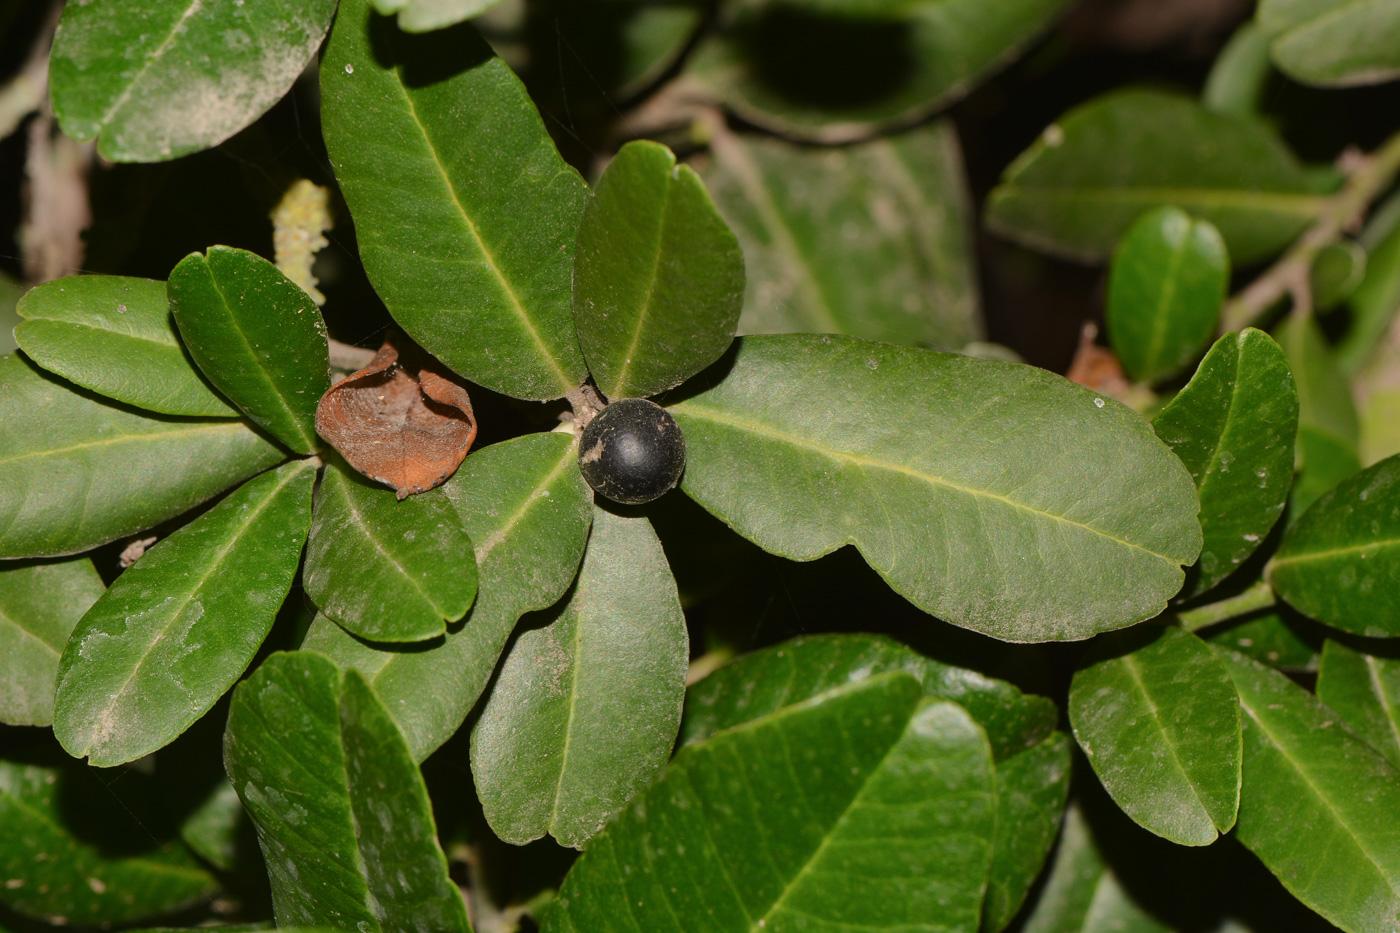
(77, 471)
(836, 79)
(257, 336)
(1095, 171)
(584, 708)
(865, 806)
(1082, 895)
(39, 605)
(1325, 460)
(1240, 75)
(1031, 791)
(71, 855)
(213, 828)
(1324, 398)
(387, 570)
(342, 815)
(157, 79)
(1364, 689)
(1157, 717)
(1340, 563)
(465, 213)
(1167, 283)
(527, 510)
(763, 682)
(993, 495)
(658, 276)
(1318, 806)
(175, 631)
(872, 240)
(1333, 43)
(1032, 763)
(427, 15)
(114, 336)
(1234, 426)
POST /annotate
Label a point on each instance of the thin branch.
(1368, 179)
(1259, 596)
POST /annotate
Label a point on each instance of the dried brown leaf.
(406, 427)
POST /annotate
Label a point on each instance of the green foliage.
(743, 723)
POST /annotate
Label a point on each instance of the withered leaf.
(406, 427)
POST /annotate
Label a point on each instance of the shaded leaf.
(1278, 637)
(1333, 43)
(1082, 895)
(257, 336)
(114, 336)
(1157, 717)
(1324, 398)
(78, 471)
(1031, 791)
(1364, 689)
(387, 570)
(872, 240)
(996, 496)
(1339, 796)
(1340, 563)
(865, 806)
(658, 276)
(1096, 170)
(527, 510)
(63, 861)
(837, 79)
(1167, 283)
(212, 828)
(1336, 272)
(39, 605)
(473, 255)
(400, 424)
(157, 80)
(1240, 74)
(342, 815)
(1234, 426)
(1325, 460)
(175, 631)
(1032, 763)
(1376, 300)
(763, 682)
(584, 707)
(427, 15)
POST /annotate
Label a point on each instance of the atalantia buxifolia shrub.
(1213, 517)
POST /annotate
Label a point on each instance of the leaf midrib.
(8, 620)
(1381, 544)
(359, 520)
(709, 414)
(1308, 205)
(621, 380)
(126, 439)
(1136, 674)
(1167, 298)
(151, 59)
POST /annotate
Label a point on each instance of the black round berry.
(632, 451)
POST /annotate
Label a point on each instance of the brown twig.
(1368, 178)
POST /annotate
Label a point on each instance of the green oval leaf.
(1336, 272)
(1240, 75)
(1333, 43)
(1277, 637)
(342, 815)
(473, 252)
(1167, 283)
(40, 603)
(1324, 461)
(872, 240)
(837, 79)
(387, 570)
(257, 336)
(1376, 301)
(1031, 790)
(658, 276)
(1234, 427)
(176, 629)
(585, 705)
(1157, 717)
(865, 806)
(1339, 849)
(56, 851)
(1340, 563)
(79, 471)
(157, 80)
(1095, 171)
(1324, 396)
(527, 509)
(1364, 690)
(114, 336)
(995, 496)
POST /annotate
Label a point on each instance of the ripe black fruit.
(632, 451)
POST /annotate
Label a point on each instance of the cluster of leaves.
(826, 782)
